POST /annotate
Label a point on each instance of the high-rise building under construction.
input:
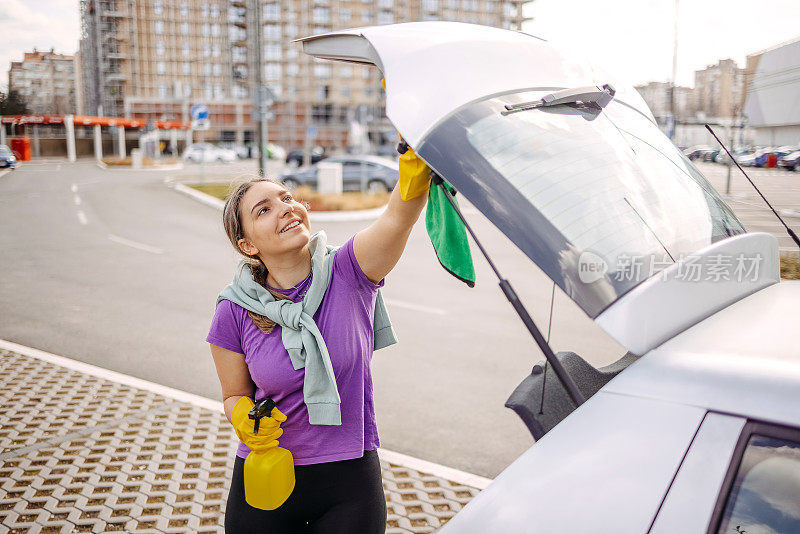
(157, 58)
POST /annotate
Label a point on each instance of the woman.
(338, 476)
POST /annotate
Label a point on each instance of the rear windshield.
(578, 189)
(5, 151)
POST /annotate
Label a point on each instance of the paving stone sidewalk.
(80, 453)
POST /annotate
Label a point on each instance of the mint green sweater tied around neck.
(300, 335)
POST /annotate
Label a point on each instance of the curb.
(314, 216)
(461, 477)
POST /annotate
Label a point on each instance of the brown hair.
(232, 222)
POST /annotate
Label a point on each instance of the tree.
(12, 103)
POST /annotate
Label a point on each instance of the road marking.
(77, 200)
(82, 217)
(415, 307)
(134, 244)
(74, 188)
(438, 470)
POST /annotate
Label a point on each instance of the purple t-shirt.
(345, 319)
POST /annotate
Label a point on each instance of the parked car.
(7, 158)
(696, 427)
(295, 158)
(698, 152)
(368, 173)
(790, 161)
(207, 153)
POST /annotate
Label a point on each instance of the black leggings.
(335, 497)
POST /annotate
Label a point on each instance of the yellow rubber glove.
(269, 429)
(415, 176)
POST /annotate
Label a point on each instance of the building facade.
(46, 81)
(719, 90)
(772, 104)
(156, 58)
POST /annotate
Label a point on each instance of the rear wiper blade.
(591, 96)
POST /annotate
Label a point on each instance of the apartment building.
(45, 80)
(658, 99)
(157, 58)
(719, 89)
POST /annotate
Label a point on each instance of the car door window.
(765, 493)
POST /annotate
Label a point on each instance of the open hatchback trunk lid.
(590, 190)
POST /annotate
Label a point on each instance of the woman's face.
(274, 223)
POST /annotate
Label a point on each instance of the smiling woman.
(298, 325)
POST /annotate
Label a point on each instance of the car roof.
(386, 162)
(743, 360)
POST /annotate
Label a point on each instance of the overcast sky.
(632, 38)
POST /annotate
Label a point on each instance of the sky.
(631, 38)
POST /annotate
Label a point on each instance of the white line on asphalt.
(82, 217)
(3, 173)
(442, 471)
(415, 307)
(74, 188)
(134, 244)
(77, 200)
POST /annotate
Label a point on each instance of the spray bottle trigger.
(262, 408)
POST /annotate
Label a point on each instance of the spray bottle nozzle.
(262, 408)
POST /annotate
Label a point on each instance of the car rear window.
(765, 496)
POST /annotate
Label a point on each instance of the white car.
(207, 153)
(697, 428)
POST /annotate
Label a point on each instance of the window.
(322, 92)
(272, 11)
(385, 4)
(344, 14)
(214, 11)
(272, 31)
(162, 90)
(184, 28)
(204, 11)
(219, 92)
(365, 72)
(206, 49)
(158, 7)
(160, 48)
(272, 71)
(385, 17)
(322, 15)
(185, 49)
(217, 69)
(291, 53)
(346, 71)
(291, 31)
(292, 69)
(207, 69)
(159, 27)
(431, 5)
(346, 91)
(763, 495)
(322, 71)
(206, 29)
(321, 29)
(272, 52)
(239, 91)
(215, 30)
(187, 68)
(366, 17)
(207, 91)
(184, 9)
(239, 54)
(161, 67)
(215, 50)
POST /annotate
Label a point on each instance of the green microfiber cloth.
(448, 233)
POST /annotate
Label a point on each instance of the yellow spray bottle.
(268, 474)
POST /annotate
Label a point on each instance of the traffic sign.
(199, 112)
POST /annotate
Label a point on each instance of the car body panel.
(605, 468)
(411, 56)
(7, 157)
(357, 172)
(742, 360)
(670, 302)
(692, 497)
